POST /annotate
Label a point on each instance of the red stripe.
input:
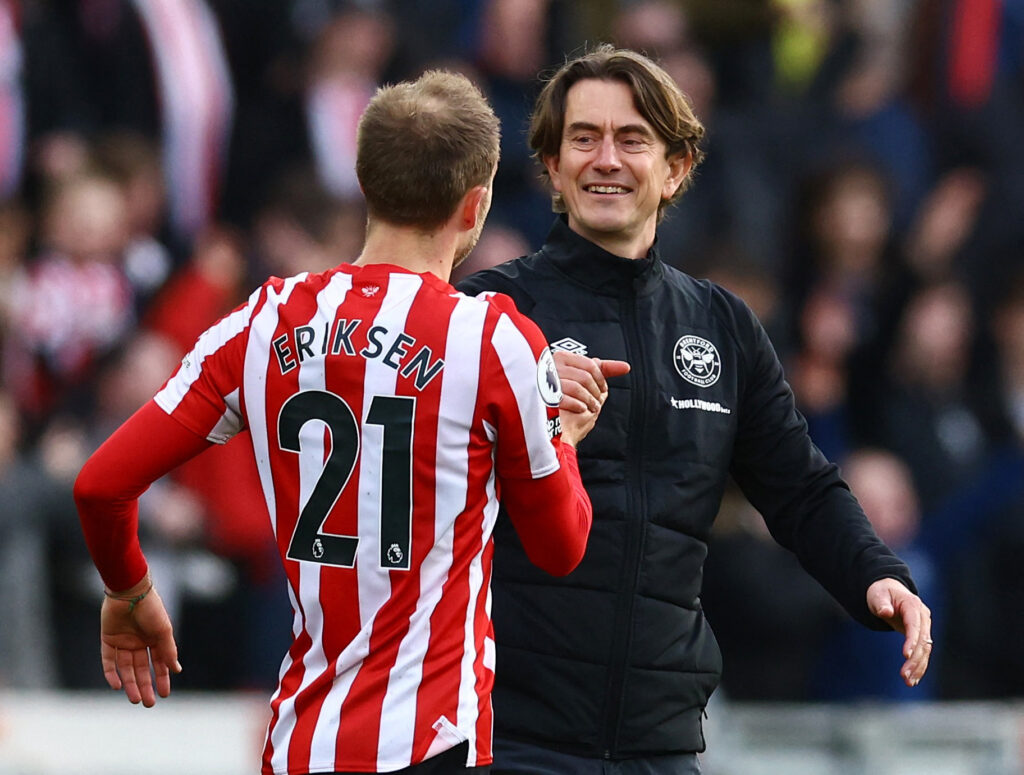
(974, 51)
(485, 676)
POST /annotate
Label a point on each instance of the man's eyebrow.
(586, 126)
(638, 129)
(582, 126)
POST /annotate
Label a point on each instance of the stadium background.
(863, 191)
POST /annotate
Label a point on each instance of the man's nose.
(607, 156)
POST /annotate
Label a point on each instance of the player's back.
(374, 434)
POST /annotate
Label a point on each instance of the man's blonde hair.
(421, 145)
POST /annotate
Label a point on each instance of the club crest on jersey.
(569, 345)
(547, 379)
(697, 361)
(369, 291)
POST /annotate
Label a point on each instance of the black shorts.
(451, 762)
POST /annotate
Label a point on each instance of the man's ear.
(472, 208)
(551, 165)
(678, 168)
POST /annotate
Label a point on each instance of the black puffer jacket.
(616, 659)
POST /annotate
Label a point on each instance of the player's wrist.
(133, 595)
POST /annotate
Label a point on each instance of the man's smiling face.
(611, 168)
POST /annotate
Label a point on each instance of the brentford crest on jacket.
(377, 459)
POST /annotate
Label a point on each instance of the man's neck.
(619, 244)
(410, 249)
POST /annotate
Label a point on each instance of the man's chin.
(604, 224)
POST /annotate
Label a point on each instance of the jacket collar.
(596, 268)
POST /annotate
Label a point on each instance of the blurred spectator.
(855, 666)
(512, 42)
(990, 586)
(738, 36)
(72, 303)
(346, 66)
(844, 242)
(819, 373)
(858, 99)
(301, 227)
(28, 504)
(133, 161)
(925, 405)
(968, 66)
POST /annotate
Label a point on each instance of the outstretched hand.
(905, 612)
(131, 638)
(584, 391)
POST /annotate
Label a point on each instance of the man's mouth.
(605, 189)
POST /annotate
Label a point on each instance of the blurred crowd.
(863, 191)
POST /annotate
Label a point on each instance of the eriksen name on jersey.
(303, 342)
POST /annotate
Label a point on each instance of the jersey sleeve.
(204, 394)
(108, 487)
(538, 476)
(527, 391)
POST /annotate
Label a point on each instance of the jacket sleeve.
(807, 506)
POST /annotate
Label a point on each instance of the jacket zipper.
(636, 526)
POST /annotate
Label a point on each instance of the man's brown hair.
(422, 145)
(656, 97)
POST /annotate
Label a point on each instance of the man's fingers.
(143, 677)
(107, 659)
(919, 645)
(163, 677)
(165, 661)
(126, 669)
(573, 367)
(577, 398)
(613, 368)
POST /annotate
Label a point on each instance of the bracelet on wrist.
(132, 600)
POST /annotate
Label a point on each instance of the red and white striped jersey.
(383, 408)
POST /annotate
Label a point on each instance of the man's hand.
(584, 390)
(131, 635)
(905, 612)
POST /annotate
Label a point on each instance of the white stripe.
(257, 361)
(520, 368)
(468, 358)
(306, 604)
